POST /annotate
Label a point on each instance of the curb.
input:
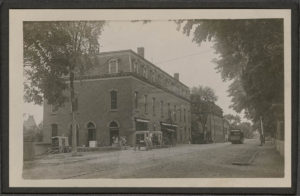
(249, 162)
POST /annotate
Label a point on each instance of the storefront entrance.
(113, 132)
(169, 133)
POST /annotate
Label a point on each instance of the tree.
(54, 54)
(234, 120)
(251, 56)
(205, 93)
(246, 128)
(203, 99)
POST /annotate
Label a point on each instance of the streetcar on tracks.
(236, 136)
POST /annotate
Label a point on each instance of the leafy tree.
(54, 53)
(234, 120)
(205, 93)
(246, 128)
(251, 56)
(235, 123)
(204, 97)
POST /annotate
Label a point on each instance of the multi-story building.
(123, 94)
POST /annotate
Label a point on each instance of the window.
(54, 130)
(158, 78)
(91, 131)
(145, 103)
(180, 118)
(113, 100)
(151, 75)
(175, 113)
(169, 110)
(153, 106)
(113, 66)
(145, 71)
(184, 117)
(75, 104)
(135, 67)
(162, 108)
(136, 99)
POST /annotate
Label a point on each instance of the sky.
(168, 49)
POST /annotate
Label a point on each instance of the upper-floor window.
(113, 66)
(154, 76)
(145, 74)
(136, 98)
(175, 113)
(113, 100)
(150, 75)
(75, 104)
(184, 117)
(158, 78)
(169, 110)
(146, 103)
(162, 108)
(135, 67)
(180, 118)
(153, 106)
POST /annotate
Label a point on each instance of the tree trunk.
(72, 96)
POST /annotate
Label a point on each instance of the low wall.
(41, 148)
(279, 144)
(28, 150)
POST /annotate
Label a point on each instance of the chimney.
(141, 51)
(176, 76)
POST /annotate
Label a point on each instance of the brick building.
(123, 94)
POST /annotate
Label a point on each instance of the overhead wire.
(181, 57)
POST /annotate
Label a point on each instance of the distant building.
(211, 116)
(30, 128)
(123, 94)
(30, 133)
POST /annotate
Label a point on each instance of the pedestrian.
(150, 141)
(147, 142)
(122, 142)
(137, 144)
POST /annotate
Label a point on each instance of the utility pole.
(261, 126)
(262, 131)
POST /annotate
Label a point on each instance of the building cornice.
(126, 74)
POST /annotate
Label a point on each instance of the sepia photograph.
(159, 96)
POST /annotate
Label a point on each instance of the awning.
(167, 124)
(142, 120)
(171, 130)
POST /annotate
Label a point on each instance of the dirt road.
(182, 161)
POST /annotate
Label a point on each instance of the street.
(182, 161)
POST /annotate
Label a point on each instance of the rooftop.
(138, 56)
